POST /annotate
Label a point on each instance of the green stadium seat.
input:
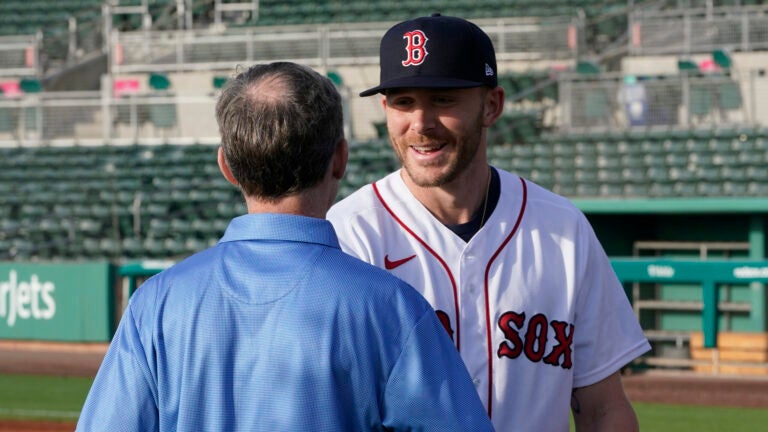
(587, 190)
(159, 81)
(162, 115)
(597, 105)
(636, 190)
(707, 188)
(153, 248)
(736, 188)
(676, 160)
(132, 248)
(757, 188)
(729, 96)
(635, 174)
(661, 189)
(685, 188)
(700, 103)
(722, 59)
(611, 190)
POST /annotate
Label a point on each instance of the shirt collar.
(284, 227)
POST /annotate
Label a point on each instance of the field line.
(38, 413)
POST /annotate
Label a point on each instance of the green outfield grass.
(669, 418)
(42, 397)
(61, 398)
(675, 418)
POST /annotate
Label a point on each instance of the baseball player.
(275, 328)
(515, 273)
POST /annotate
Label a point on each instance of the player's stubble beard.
(466, 146)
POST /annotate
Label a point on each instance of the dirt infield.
(658, 386)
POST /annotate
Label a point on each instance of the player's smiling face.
(436, 133)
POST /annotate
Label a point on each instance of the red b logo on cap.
(416, 47)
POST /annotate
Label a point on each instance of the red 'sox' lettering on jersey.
(416, 48)
(534, 341)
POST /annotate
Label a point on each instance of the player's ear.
(224, 168)
(340, 158)
(493, 105)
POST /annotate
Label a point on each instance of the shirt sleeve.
(122, 397)
(429, 388)
(608, 335)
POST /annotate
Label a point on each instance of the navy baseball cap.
(435, 52)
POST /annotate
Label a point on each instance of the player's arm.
(429, 388)
(603, 406)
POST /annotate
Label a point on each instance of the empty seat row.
(134, 215)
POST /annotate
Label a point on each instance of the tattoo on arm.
(575, 406)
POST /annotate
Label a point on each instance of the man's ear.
(493, 105)
(340, 159)
(224, 168)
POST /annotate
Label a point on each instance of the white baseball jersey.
(531, 301)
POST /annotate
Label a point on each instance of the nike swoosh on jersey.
(389, 265)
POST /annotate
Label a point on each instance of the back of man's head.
(279, 125)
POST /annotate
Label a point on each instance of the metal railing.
(614, 102)
(698, 30)
(99, 117)
(318, 45)
(708, 276)
(20, 55)
(606, 102)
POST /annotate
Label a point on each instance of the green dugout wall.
(708, 278)
(70, 302)
(622, 224)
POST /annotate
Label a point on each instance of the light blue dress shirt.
(276, 329)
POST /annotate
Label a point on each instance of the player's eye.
(443, 100)
(400, 102)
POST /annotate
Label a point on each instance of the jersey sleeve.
(123, 396)
(429, 388)
(608, 335)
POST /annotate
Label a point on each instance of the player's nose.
(422, 120)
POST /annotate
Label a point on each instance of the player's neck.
(456, 202)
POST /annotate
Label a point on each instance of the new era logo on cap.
(435, 52)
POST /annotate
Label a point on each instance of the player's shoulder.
(357, 201)
(538, 195)
(364, 200)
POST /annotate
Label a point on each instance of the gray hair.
(280, 124)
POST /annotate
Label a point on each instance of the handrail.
(709, 273)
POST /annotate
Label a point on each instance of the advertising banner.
(69, 302)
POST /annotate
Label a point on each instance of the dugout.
(673, 309)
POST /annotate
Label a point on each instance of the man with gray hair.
(275, 328)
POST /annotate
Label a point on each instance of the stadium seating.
(129, 201)
(89, 202)
(277, 12)
(165, 201)
(717, 163)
